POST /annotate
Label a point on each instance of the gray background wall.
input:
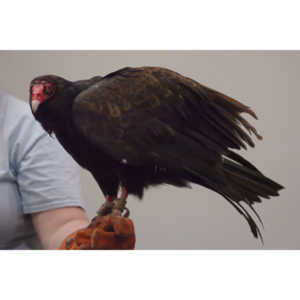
(172, 218)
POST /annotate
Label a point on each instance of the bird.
(140, 127)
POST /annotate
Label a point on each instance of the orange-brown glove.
(105, 232)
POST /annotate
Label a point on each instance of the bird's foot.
(106, 207)
(120, 207)
(116, 207)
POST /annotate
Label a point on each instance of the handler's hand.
(105, 232)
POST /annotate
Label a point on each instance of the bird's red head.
(40, 91)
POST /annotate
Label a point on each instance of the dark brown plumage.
(140, 127)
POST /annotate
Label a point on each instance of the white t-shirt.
(36, 174)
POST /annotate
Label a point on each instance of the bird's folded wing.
(142, 113)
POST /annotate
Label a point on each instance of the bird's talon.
(120, 204)
(127, 212)
(106, 208)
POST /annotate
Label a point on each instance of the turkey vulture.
(141, 127)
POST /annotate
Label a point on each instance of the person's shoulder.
(15, 106)
(17, 112)
(19, 125)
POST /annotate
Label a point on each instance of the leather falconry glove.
(108, 232)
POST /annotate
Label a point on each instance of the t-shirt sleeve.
(46, 174)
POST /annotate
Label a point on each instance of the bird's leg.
(124, 193)
(120, 204)
(107, 206)
(115, 206)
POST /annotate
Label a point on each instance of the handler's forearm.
(55, 225)
(54, 241)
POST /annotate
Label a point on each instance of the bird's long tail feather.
(244, 186)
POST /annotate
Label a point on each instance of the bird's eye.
(49, 89)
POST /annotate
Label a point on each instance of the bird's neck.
(57, 113)
(82, 85)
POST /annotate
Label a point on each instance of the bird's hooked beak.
(34, 105)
